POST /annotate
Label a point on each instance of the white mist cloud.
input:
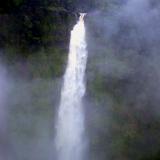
(4, 86)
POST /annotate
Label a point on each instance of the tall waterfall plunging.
(70, 129)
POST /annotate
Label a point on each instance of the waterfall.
(70, 141)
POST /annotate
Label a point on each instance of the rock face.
(30, 25)
(33, 30)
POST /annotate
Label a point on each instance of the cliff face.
(33, 30)
(28, 25)
(31, 25)
(34, 34)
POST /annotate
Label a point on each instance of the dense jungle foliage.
(30, 27)
(122, 98)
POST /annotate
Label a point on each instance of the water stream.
(70, 128)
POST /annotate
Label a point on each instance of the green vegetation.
(122, 114)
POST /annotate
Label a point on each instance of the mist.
(121, 103)
(27, 113)
(32, 113)
(127, 44)
(123, 80)
(4, 91)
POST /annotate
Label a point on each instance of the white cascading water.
(70, 124)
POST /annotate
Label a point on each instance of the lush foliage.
(122, 98)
